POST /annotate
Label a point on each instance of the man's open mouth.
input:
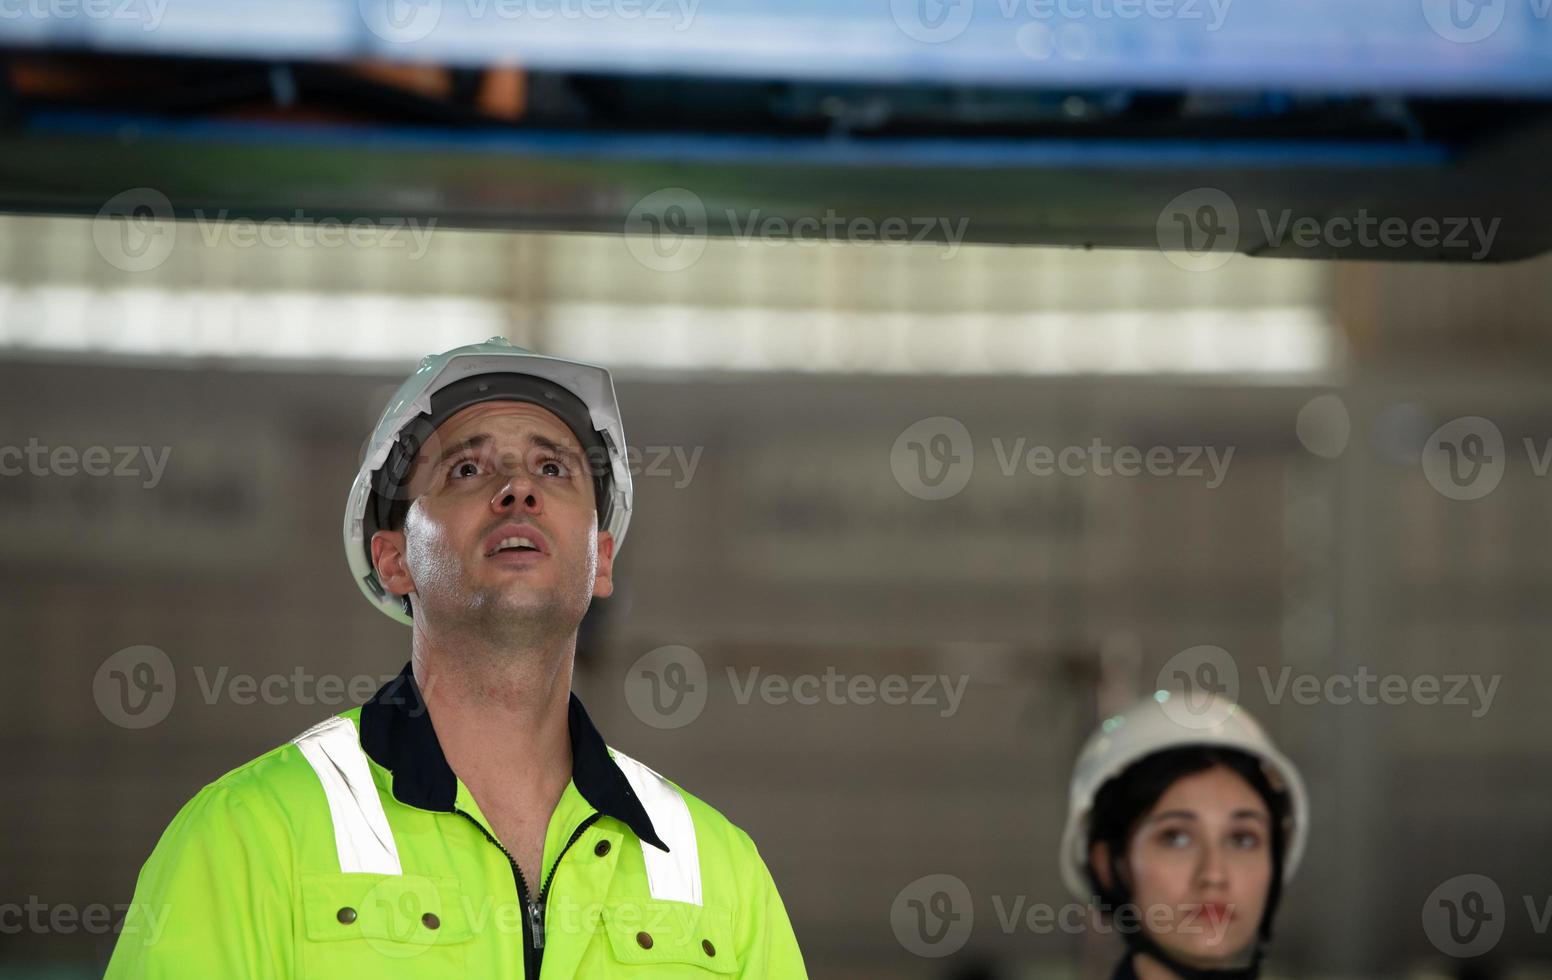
(515, 538)
(515, 544)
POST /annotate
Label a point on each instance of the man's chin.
(519, 605)
(525, 612)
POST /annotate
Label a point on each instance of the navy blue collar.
(397, 733)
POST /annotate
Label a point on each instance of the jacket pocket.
(671, 934)
(388, 926)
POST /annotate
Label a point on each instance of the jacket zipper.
(536, 911)
(530, 961)
(533, 921)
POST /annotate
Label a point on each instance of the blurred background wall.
(835, 481)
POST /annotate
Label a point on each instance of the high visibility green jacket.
(354, 853)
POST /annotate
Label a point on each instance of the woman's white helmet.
(1170, 720)
(581, 395)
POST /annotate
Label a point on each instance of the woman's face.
(1200, 865)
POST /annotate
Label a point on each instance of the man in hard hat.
(468, 820)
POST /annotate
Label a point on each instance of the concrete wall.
(792, 548)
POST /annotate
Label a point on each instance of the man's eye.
(464, 468)
(553, 467)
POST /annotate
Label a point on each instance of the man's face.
(502, 531)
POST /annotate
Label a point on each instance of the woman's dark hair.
(1122, 803)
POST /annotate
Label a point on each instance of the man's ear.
(388, 560)
(603, 579)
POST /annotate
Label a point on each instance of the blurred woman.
(1184, 823)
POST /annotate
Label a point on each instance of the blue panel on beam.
(941, 153)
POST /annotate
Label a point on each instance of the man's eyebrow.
(559, 448)
(477, 441)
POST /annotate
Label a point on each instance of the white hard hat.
(1171, 720)
(582, 395)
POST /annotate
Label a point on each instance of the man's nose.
(519, 493)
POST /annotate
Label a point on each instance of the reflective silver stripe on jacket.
(675, 876)
(361, 832)
(364, 841)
